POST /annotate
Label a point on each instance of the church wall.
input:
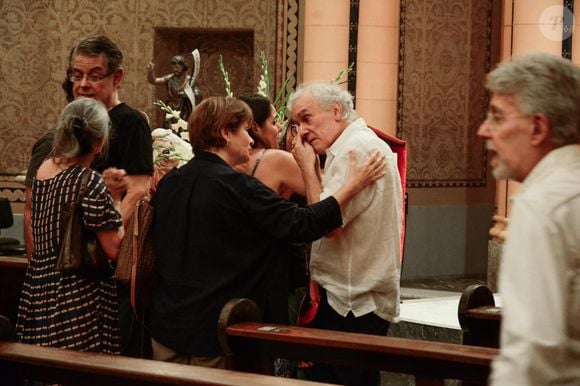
(37, 37)
(447, 226)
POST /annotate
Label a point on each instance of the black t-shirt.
(130, 143)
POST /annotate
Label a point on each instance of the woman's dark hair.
(83, 123)
(261, 109)
(213, 114)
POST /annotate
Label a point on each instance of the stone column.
(378, 63)
(325, 39)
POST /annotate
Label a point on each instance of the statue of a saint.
(183, 91)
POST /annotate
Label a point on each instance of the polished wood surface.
(253, 346)
(486, 312)
(20, 361)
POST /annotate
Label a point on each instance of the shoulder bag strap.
(84, 181)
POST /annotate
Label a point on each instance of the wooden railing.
(252, 346)
(19, 362)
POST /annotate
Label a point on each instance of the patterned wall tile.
(445, 54)
(38, 34)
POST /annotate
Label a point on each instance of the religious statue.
(182, 88)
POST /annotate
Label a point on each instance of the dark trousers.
(327, 318)
(135, 338)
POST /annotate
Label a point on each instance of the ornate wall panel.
(445, 54)
(38, 34)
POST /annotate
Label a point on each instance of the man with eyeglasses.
(532, 135)
(95, 71)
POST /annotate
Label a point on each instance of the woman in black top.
(218, 233)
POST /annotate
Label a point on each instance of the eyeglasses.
(91, 78)
(495, 120)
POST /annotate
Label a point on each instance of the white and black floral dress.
(68, 310)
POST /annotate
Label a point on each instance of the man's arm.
(310, 168)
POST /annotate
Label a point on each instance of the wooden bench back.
(20, 362)
(479, 318)
(252, 346)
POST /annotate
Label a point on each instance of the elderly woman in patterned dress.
(72, 311)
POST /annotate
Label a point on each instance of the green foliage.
(263, 86)
(343, 72)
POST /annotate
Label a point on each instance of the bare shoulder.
(279, 158)
(47, 170)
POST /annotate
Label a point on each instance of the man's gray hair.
(543, 84)
(326, 94)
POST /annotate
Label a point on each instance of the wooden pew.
(252, 346)
(479, 318)
(12, 271)
(19, 362)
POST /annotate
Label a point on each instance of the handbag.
(136, 259)
(79, 250)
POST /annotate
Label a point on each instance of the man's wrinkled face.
(317, 126)
(506, 131)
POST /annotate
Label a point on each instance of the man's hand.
(116, 182)
(364, 174)
(303, 153)
(309, 165)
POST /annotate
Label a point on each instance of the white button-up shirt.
(539, 279)
(360, 268)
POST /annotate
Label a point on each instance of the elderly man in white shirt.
(532, 134)
(358, 265)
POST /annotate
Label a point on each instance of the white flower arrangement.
(174, 120)
(168, 146)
